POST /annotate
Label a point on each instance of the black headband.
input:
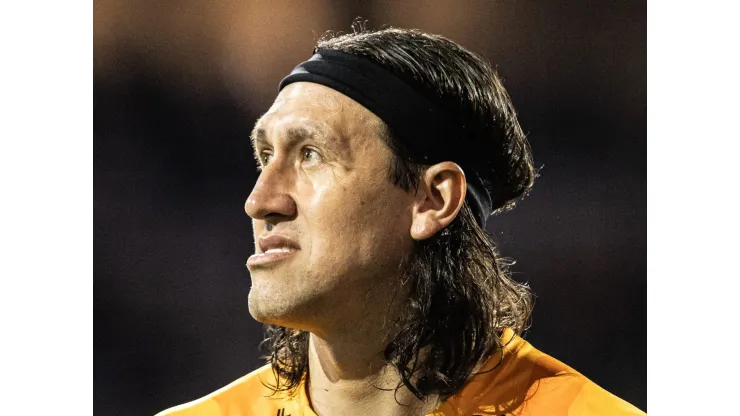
(409, 114)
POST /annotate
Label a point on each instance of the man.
(381, 159)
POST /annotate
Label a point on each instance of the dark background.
(177, 87)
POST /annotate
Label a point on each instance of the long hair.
(461, 295)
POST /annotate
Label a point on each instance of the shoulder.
(246, 395)
(594, 400)
(528, 382)
(556, 388)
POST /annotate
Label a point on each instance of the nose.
(270, 199)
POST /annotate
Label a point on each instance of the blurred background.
(177, 88)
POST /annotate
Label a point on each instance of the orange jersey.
(527, 382)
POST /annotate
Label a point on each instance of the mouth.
(272, 249)
(270, 256)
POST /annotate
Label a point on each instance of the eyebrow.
(293, 136)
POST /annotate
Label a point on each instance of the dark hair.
(461, 296)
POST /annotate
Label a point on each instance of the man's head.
(324, 185)
(364, 208)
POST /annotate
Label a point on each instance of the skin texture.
(325, 185)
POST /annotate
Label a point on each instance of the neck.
(347, 371)
(348, 375)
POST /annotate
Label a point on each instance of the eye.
(263, 159)
(311, 155)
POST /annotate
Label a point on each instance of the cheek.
(351, 229)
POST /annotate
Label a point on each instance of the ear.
(438, 200)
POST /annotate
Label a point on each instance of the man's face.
(324, 188)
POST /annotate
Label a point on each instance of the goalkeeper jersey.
(526, 382)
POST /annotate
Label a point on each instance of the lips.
(272, 249)
(277, 242)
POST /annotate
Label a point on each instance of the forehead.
(318, 110)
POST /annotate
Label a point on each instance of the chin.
(260, 309)
(274, 310)
(295, 300)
